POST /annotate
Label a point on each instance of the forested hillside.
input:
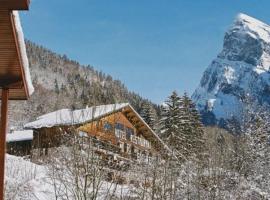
(63, 83)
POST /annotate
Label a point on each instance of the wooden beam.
(3, 130)
(14, 4)
(130, 114)
(142, 128)
(137, 122)
(133, 118)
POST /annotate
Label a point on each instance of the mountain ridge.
(239, 72)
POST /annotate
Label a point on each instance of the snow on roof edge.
(31, 125)
(17, 136)
(23, 53)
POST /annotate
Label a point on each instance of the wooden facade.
(117, 130)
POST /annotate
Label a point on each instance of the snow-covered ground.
(25, 180)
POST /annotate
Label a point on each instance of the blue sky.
(152, 46)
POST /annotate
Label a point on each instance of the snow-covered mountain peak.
(241, 68)
(247, 24)
(247, 40)
(246, 19)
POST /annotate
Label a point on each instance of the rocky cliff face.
(239, 73)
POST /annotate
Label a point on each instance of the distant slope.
(63, 83)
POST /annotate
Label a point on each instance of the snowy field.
(28, 181)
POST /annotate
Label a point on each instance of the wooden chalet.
(15, 81)
(118, 129)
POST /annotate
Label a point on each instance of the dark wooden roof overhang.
(14, 4)
(12, 75)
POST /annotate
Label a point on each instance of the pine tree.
(181, 126)
(149, 114)
(170, 130)
(192, 128)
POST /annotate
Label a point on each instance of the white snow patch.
(226, 106)
(20, 136)
(229, 74)
(22, 48)
(265, 61)
(210, 104)
(259, 70)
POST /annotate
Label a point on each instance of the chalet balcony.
(120, 134)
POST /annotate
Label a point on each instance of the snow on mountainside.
(64, 83)
(240, 70)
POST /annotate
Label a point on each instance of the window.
(119, 126)
(118, 133)
(107, 127)
(129, 132)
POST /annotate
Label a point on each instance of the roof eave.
(14, 4)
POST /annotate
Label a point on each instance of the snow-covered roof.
(72, 117)
(20, 136)
(23, 54)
